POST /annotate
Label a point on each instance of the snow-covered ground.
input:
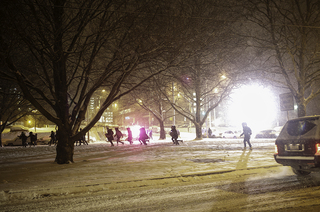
(29, 174)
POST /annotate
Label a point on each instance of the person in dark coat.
(174, 135)
(82, 140)
(33, 138)
(118, 136)
(143, 136)
(129, 135)
(247, 134)
(23, 138)
(109, 135)
(52, 138)
(209, 132)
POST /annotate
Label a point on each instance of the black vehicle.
(298, 145)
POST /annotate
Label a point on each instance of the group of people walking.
(111, 136)
(34, 137)
(53, 139)
(143, 138)
(117, 136)
(24, 138)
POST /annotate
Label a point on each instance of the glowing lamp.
(317, 149)
(276, 149)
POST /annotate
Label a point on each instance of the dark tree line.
(13, 106)
(284, 35)
(62, 52)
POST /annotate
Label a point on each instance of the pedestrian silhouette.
(23, 138)
(52, 138)
(82, 140)
(118, 136)
(129, 135)
(33, 139)
(109, 135)
(209, 133)
(247, 134)
(174, 135)
(143, 137)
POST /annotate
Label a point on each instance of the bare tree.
(60, 52)
(285, 36)
(12, 105)
(150, 98)
(197, 91)
(210, 72)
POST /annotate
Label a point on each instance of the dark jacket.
(174, 132)
(246, 132)
(109, 135)
(143, 134)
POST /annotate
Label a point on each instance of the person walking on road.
(143, 137)
(52, 138)
(247, 134)
(174, 135)
(209, 133)
(33, 139)
(109, 135)
(118, 136)
(82, 140)
(23, 138)
(129, 135)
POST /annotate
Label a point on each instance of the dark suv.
(298, 145)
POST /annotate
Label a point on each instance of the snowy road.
(206, 175)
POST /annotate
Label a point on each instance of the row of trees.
(285, 36)
(280, 40)
(61, 52)
(13, 106)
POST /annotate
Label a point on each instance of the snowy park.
(30, 175)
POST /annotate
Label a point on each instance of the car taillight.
(276, 149)
(318, 149)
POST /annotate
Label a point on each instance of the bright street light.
(253, 104)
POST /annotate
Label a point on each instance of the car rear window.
(300, 127)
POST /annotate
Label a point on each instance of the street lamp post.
(174, 111)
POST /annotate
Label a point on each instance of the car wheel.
(300, 172)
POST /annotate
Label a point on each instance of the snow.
(29, 174)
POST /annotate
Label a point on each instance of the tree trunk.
(64, 153)
(302, 109)
(65, 149)
(1, 139)
(162, 131)
(198, 131)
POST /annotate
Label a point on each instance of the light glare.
(253, 104)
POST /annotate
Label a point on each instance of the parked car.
(18, 128)
(229, 134)
(14, 142)
(298, 145)
(43, 138)
(267, 134)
